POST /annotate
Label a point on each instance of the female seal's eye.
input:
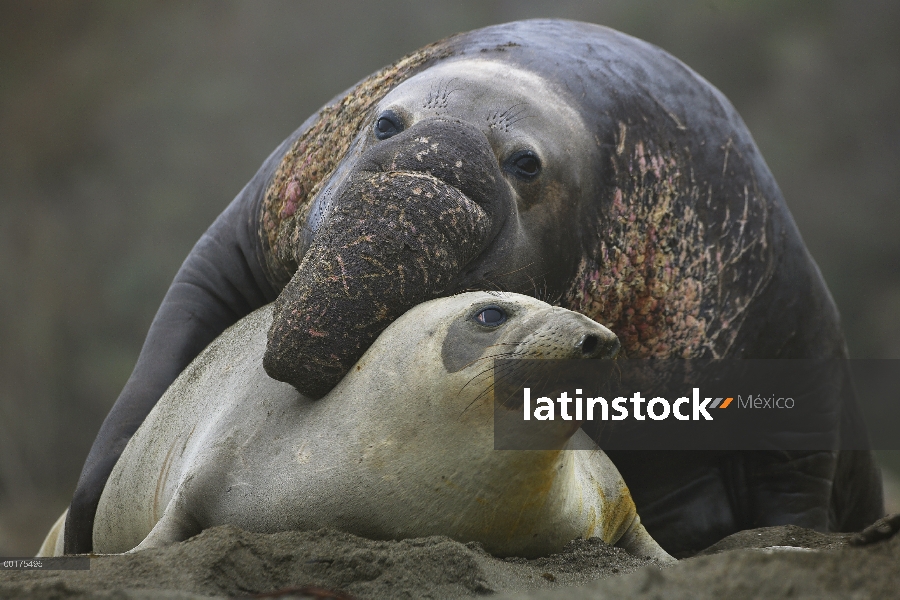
(492, 316)
(524, 164)
(388, 124)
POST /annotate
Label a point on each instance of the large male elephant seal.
(402, 447)
(559, 159)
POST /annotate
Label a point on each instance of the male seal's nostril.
(588, 344)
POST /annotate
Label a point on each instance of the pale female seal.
(402, 447)
(547, 157)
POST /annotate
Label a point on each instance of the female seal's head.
(430, 376)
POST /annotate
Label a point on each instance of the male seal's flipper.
(882, 529)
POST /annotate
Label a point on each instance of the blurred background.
(126, 127)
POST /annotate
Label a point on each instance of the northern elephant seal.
(402, 447)
(547, 157)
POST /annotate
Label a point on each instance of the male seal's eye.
(524, 164)
(491, 316)
(388, 124)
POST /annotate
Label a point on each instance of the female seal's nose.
(588, 343)
(593, 346)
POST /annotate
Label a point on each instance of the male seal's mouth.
(392, 240)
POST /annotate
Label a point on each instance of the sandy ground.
(227, 562)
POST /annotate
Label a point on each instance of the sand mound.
(228, 562)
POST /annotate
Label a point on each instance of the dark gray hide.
(671, 232)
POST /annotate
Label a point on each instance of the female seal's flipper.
(53, 543)
(639, 542)
(176, 525)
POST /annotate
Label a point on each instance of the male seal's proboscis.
(553, 158)
(402, 447)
